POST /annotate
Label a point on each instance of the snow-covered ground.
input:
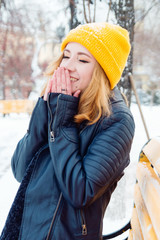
(13, 127)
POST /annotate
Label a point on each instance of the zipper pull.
(52, 138)
(84, 229)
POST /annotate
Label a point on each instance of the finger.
(63, 81)
(68, 83)
(48, 90)
(58, 80)
(77, 93)
(54, 83)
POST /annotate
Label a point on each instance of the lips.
(73, 79)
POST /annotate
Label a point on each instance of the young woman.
(78, 142)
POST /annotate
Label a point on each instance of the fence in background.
(16, 106)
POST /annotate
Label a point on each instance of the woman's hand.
(60, 83)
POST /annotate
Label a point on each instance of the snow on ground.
(14, 126)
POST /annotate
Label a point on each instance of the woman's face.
(80, 63)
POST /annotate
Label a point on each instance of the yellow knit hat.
(108, 43)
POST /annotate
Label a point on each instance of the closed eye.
(65, 57)
(84, 61)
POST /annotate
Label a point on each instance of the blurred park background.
(31, 32)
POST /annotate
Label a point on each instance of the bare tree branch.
(2, 3)
(84, 9)
(94, 16)
(89, 11)
(110, 2)
(146, 13)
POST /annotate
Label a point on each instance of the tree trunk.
(2, 3)
(124, 11)
(73, 8)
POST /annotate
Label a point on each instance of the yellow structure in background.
(16, 106)
(145, 222)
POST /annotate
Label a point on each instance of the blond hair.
(94, 100)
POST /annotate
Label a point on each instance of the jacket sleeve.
(33, 140)
(82, 179)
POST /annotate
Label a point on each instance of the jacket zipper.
(84, 226)
(51, 124)
(53, 219)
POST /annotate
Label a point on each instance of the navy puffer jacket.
(67, 173)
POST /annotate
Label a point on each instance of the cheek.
(86, 79)
(89, 74)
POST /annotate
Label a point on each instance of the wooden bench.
(16, 106)
(145, 221)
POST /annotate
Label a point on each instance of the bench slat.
(152, 152)
(130, 237)
(149, 184)
(143, 216)
(137, 232)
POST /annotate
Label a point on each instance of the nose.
(69, 64)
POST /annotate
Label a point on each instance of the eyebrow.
(79, 53)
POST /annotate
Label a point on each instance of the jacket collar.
(117, 97)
